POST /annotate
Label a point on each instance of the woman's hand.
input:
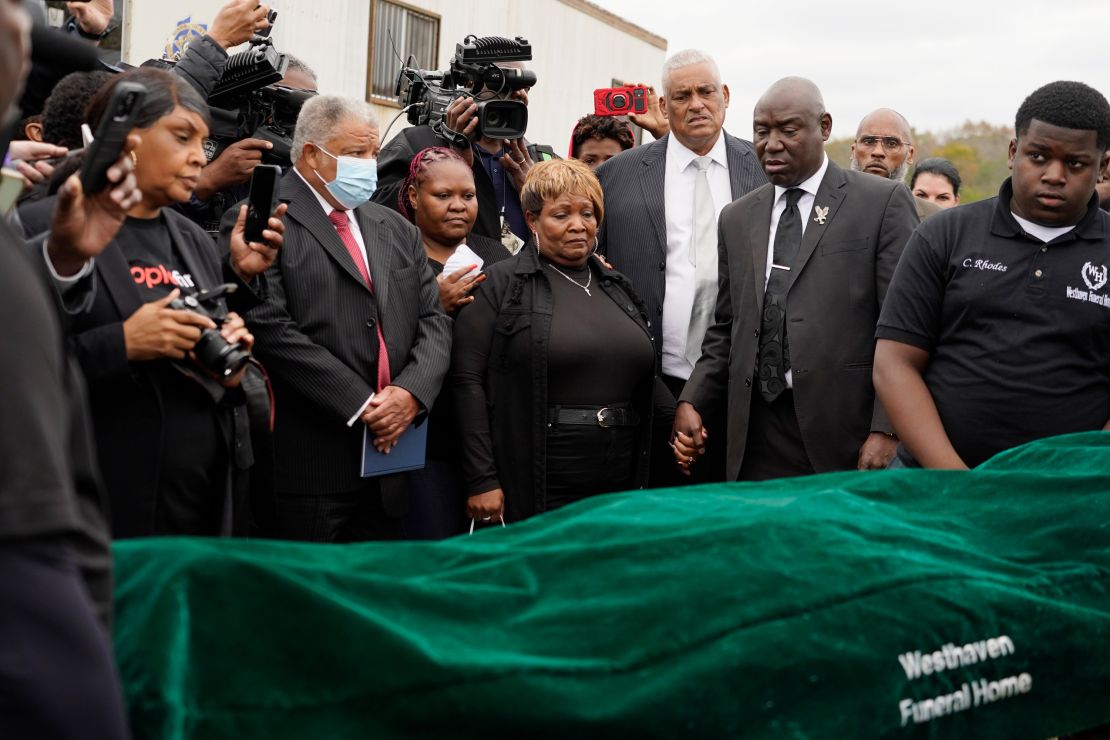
(484, 507)
(454, 289)
(156, 330)
(234, 331)
(251, 259)
(689, 437)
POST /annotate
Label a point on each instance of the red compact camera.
(620, 101)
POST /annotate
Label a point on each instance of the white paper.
(462, 257)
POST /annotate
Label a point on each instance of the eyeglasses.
(890, 143)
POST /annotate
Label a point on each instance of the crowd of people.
(698, 308)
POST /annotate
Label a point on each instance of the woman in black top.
(439, 196)
(172, 434)
(553, 365)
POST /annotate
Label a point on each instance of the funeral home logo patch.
(1095, 276)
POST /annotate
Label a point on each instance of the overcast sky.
(937, 63)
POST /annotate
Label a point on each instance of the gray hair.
(297, 65)
(685, 58)
(321, 114)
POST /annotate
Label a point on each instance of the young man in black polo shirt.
(996, 328)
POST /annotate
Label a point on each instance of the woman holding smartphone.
(170, 416)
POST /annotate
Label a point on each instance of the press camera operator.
(500, 165)
(56, 62)
(224, 180)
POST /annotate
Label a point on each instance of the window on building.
(399, 29)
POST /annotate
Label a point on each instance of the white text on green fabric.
(971, 694)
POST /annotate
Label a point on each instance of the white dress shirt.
(805, 208)
(366, 262)
(678, 199)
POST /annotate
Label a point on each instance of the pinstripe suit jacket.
(633, 235)
(316, 334)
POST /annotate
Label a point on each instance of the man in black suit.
(660, 233)
(804, 266)
(351, 280)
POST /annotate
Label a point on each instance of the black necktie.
(774, 352)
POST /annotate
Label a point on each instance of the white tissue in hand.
(462, 257)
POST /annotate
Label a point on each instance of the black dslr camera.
(212, 351)
(473, 72)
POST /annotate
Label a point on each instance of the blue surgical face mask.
(355, 180)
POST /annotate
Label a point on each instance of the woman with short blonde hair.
(553, 366)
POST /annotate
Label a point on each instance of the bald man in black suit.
(804, 266)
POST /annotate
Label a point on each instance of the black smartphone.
(262, 201)
(111, 133)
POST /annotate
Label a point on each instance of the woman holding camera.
(162, 359)
(553, 364)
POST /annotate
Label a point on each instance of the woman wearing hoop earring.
(553, 365)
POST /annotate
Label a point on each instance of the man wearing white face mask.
(352, 333)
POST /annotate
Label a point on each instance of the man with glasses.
(884, 147)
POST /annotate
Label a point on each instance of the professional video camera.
(247, 104)
(473, 72)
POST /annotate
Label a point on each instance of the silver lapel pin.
(822, 213)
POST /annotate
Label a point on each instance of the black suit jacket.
(316, 334)
(633, 234)
(837, 288)
(393, 169)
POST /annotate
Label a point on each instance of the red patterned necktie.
(343, 227)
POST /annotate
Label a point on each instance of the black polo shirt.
(1018, 330)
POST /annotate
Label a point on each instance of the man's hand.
(877, 451)
(454, 289)
(31, 156)
(233, 167)
(516, 162)
(486, 506)
(156, 330)
(83, 225)
(461, 117)
(390, 413)
(653, 121)
(250, 259)
(689, 436)
(237, 22)
(93, 16)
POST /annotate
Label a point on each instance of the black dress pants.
(775, 448)
(57, 675)
(349, 516)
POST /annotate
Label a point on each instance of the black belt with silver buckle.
(603, 416)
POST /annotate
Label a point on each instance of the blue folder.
(407, 454)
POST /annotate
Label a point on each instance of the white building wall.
(574, 52)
